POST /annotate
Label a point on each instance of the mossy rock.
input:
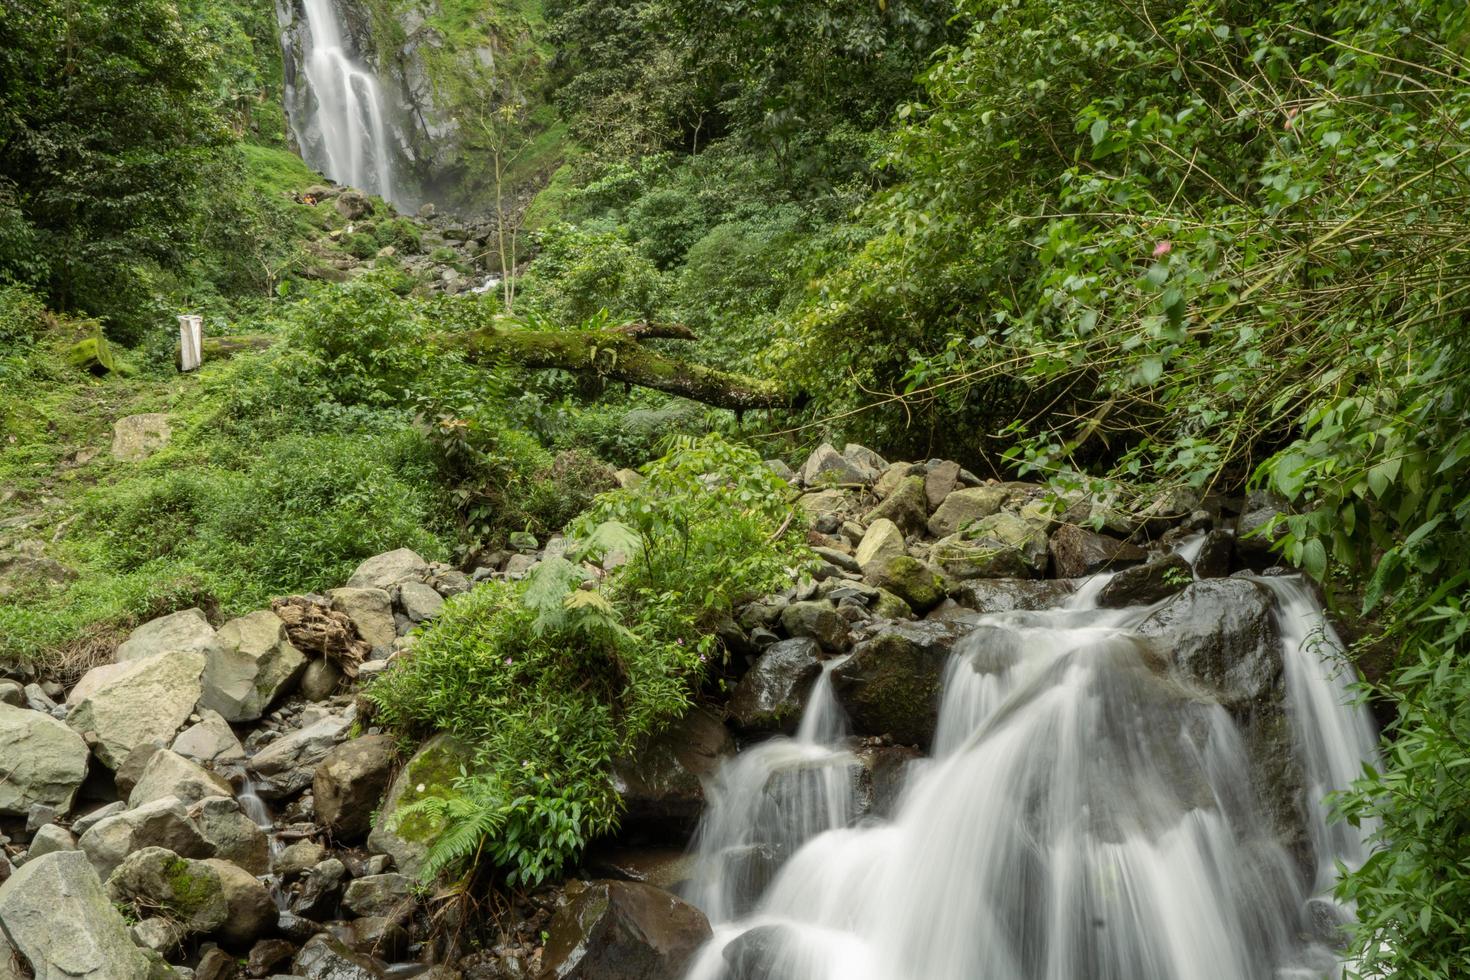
(93, 354)
(891, 684)
(187, 891)
(430, 773)
(911, 580)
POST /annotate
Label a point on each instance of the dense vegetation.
(1193, 245)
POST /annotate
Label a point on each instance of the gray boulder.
(882, 542)
(622, 930)
(252, 666)
(250, 909)
(41, 761)
(964, 507)
(430, 772)
(771, 694)
(371, 611)
(55, 912)
(181, 632)
(325, 957)
(379, 895)
(49, 839)
(156, 880)
(827, 466)
(1143, 585)
(137, 437)
(162, 823)
(818, 620)
(420, 602)
(288, 764)
(389, 569)
(1077, 552)
(136, 702)
(349, 785)
(169, 774)
(997, 595)
(211, 741)
(906, 506)
(233, 836)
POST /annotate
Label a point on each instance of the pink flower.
(508, 661)
(1290, 115)
(1163, 248)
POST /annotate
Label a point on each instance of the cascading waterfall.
(347, 137)
(1085, 816)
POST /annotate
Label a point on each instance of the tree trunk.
(619, 355)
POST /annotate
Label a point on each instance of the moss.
(92, 354)
(191, 891)
(912, 581)
(430, 773)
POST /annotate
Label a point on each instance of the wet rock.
(661, 784)
(431, 772)
(134, 703)
(1221, 634)
(268, 954)
(1077, 552)
(963, 507)
(41, 761)
(251, 910)
(56, 913)
(233, 835)
(1252, 539)
(371, 611)
(169, 774)
(758, 953)
(1216, 555)
(891, 683)
(771, 694)
(181, 632)
(253, 666)
(326, 957)
(379, 895)
(880, 781)
(162, 823)
(669, 868)
(918, 585)
(826, 466)
(321, 890)
(906, 507)
(156, 880)
(349, 784)
(1144, 585)
(1328, 923)
(210, 741)
(620, 930)
(1008, 595)
(818, 620)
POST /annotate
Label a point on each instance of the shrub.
(555, 677)
(578, 274)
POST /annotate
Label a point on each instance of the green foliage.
(555, 677)
(578, 275)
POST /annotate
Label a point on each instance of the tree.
(107, 122)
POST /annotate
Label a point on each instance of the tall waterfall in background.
(347, 136)
(1085, 816)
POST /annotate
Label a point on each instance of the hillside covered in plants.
(736, 490)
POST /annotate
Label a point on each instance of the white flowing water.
(1085, 816)
(350, 114)
(255, 808)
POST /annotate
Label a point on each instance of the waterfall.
(1086, 815)
(347, 136)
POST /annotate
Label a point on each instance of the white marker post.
(191, 341)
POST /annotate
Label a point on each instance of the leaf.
(1150, 370)
(1314, 558)
(1098, 131)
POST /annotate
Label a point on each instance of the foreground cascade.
(1112, 794)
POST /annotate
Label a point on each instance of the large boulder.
(349, 784)
(252, 666)
(906, 506)
(210, 741)
(771, 694)
(891, 683)
(1077, 552)
(137, 437)
(162, 823)
(250, 909)
(818, 620)
(170, 774)
(826, 466)
(371, 611)
(389, 569)
(55, 912)
(325, 957)
(231, 833)
(288, 765)
(963, 507)
(882, 542)
(662, 784)
(997, 595)
(918, 585)
(186, 631)
(156, 880)
(1144, 585)
(1002, 545)
(430, 772)
(1221, 634)
(42, 761)
(137, 702)
(387, 895)
(622, 930)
